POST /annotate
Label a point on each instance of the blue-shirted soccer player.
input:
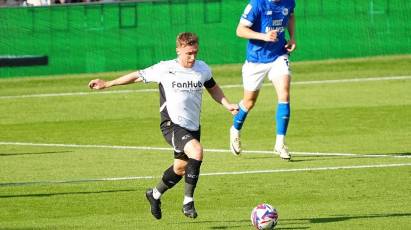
(263, 23)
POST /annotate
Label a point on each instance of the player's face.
(187, 55)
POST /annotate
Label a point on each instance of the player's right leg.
(171, 177)
(253, 77)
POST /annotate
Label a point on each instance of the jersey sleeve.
(250, 14)
(209, 81)
(208, 72)
(152, 73)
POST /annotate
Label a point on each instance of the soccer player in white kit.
(181, 83)
(263, 23)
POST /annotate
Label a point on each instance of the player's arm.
(244, 31)
(123, 80)
(218, 95)
(291, 45)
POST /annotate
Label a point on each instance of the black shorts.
(178, 137)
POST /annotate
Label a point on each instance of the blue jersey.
(263, 16)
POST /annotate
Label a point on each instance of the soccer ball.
(264, 217)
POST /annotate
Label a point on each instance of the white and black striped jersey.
(181, 90)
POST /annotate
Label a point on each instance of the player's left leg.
(194, 151)
(280, 76)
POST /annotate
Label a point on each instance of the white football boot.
(235, 142)
(283, 152)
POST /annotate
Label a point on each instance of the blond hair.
(186, 39)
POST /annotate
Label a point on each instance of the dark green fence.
(123, 36)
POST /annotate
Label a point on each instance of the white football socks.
(156, 194)
(187, 199)
(279, 141)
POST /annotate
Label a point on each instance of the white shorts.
(254, 73)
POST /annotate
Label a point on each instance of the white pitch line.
(149, 148)
(223, 86)
(210, 174)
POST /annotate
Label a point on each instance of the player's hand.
(271, 36)
(233, 108)
(290, 46)
(97, 84)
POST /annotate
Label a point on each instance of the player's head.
(187, 48)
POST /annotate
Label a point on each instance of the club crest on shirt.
(285, 11)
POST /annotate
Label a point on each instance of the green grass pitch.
(60, 167)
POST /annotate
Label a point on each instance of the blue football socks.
(282, 117)
(240, 117)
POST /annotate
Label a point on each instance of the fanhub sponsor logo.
(187, 84)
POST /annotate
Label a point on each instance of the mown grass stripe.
(149, 148)
(210, 174)
(223, 86)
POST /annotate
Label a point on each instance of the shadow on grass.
(232, 224)
(400, 154)
(227, 224)
(342, 218)
(323, 158)
(32, 153)
(304, 158)
(63, 194)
